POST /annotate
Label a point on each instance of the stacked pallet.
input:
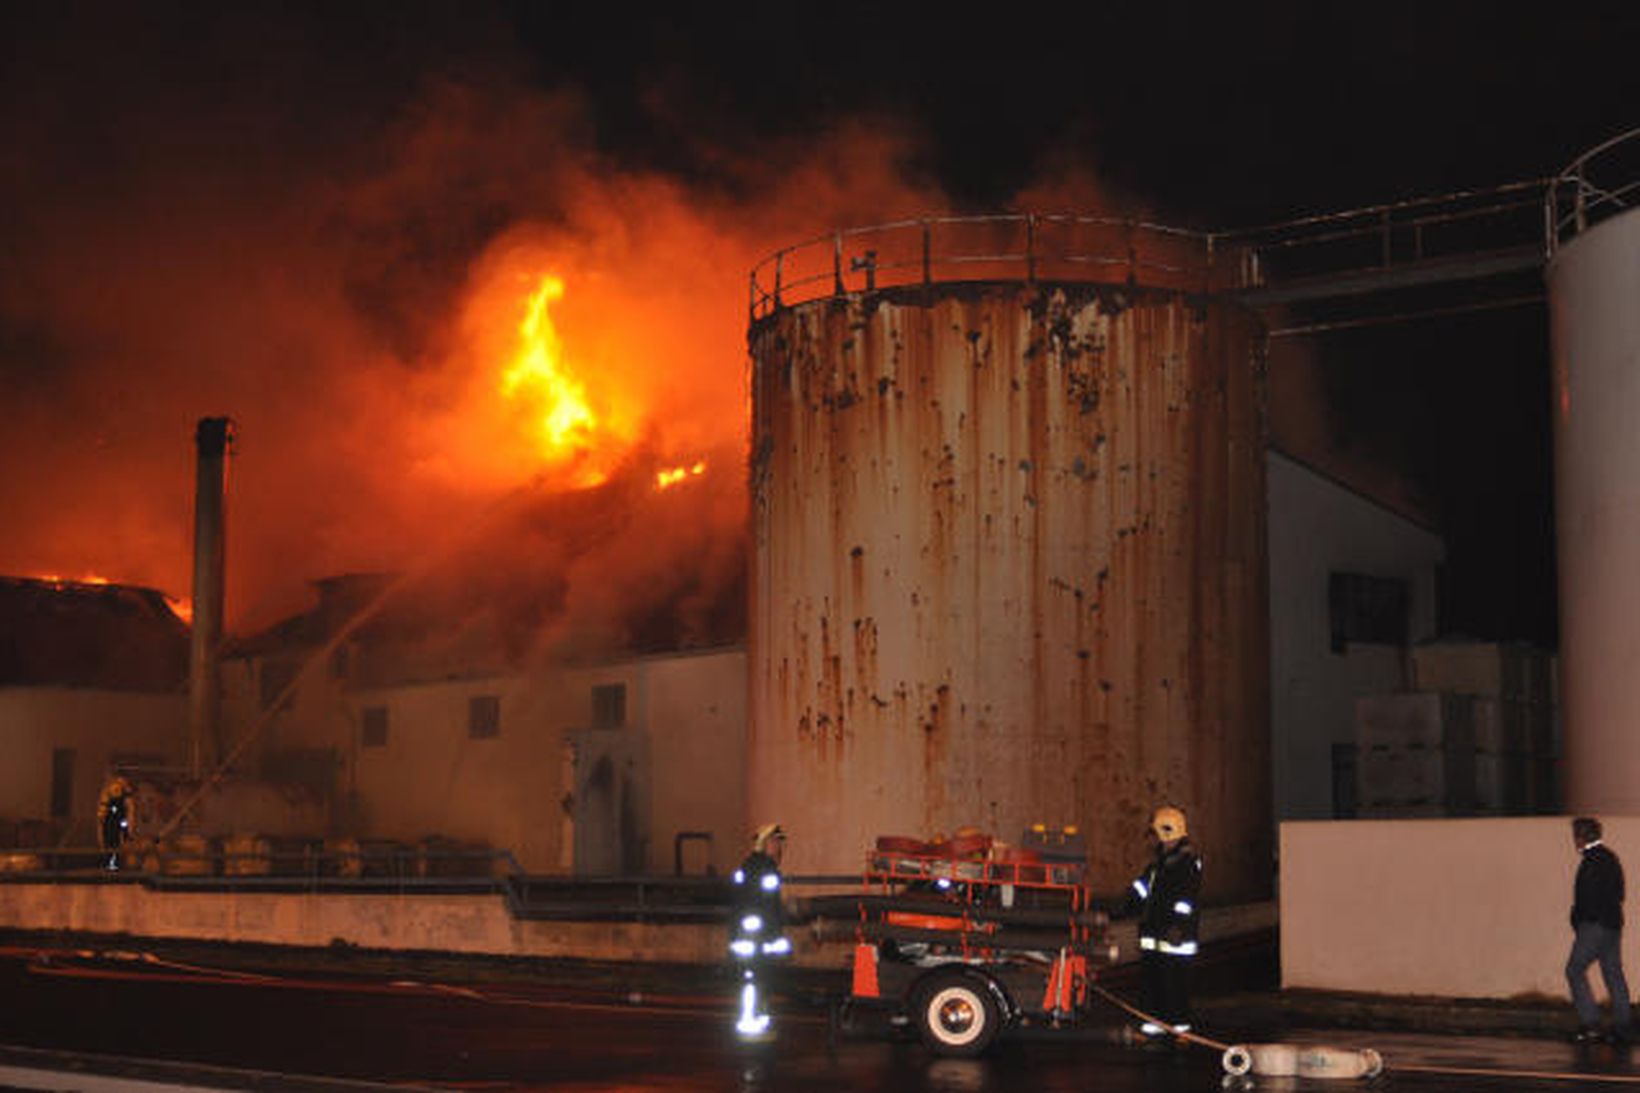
(1476, 736)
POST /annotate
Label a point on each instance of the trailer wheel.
(956, 1014)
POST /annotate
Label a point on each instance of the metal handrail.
(1391, 235)
(1596, 185)
(838, 260)
(394, 864)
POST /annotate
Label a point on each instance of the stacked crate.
(1415, 755)
(1517, 739)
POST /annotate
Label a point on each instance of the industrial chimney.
(211, 438)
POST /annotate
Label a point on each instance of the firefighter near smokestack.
(756, 928)
(113, 820)
(1165, 896)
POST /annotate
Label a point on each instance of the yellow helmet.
(762, 836)
(1168, 823)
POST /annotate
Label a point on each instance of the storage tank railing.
(1597, 185)
(1453, 236)
(1026, 247)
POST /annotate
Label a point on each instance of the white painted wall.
(694, 709)
(686, 713)
(431, 778)
(1318, 527)
(1471, 908)
(97, 724)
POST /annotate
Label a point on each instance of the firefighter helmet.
(116, 787)
(766, 834)
(1168, 823)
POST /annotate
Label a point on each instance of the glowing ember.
(181, 608)
(58, 579)
(672, 476)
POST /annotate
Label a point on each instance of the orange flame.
(673, 475)
(564, 425)
(551, 381)
(538, 380)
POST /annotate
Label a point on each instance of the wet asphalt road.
(512, 1036)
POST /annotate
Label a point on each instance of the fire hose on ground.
(1240, 1061)
(1272, 1060)
(1317, 1061)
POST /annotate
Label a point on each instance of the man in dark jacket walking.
(1597, 922)
(1164, 897)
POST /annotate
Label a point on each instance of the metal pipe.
(211, 439)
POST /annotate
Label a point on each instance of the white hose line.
(1150, 1018)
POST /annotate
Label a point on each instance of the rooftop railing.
(1597, 185)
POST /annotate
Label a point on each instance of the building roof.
(83, 634)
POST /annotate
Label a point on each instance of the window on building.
(62, 783)
(483, 716)
(1365, 609)
(609, 706)
(373, 727)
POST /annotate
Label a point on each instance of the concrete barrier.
(1470, 908)
(416, 922)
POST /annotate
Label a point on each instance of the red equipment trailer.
(962, 939)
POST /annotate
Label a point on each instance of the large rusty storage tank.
(1009, 543)
(1594, 280)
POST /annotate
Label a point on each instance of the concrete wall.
(695, 711)
(422, 923)
(97, 725)
(433, 923)
(1473, 908)
(1318, 527)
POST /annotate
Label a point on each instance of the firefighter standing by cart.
(1164, 896)
(756, 931)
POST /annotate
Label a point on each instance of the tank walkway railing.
(1463, 236)
(1460, 236)
(1597, 185)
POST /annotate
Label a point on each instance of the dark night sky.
(1207, 115)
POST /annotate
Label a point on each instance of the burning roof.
(79, 633)
(553, 576)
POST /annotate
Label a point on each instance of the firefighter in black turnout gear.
(114, 819)
(756, 934)
(1164, 897)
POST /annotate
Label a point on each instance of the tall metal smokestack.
(212, 438)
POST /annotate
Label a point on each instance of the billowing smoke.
(345, 273)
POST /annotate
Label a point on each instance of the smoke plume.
(344, 273)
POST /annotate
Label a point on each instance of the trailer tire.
(956, 1014)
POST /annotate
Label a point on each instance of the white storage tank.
(1594, 308)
